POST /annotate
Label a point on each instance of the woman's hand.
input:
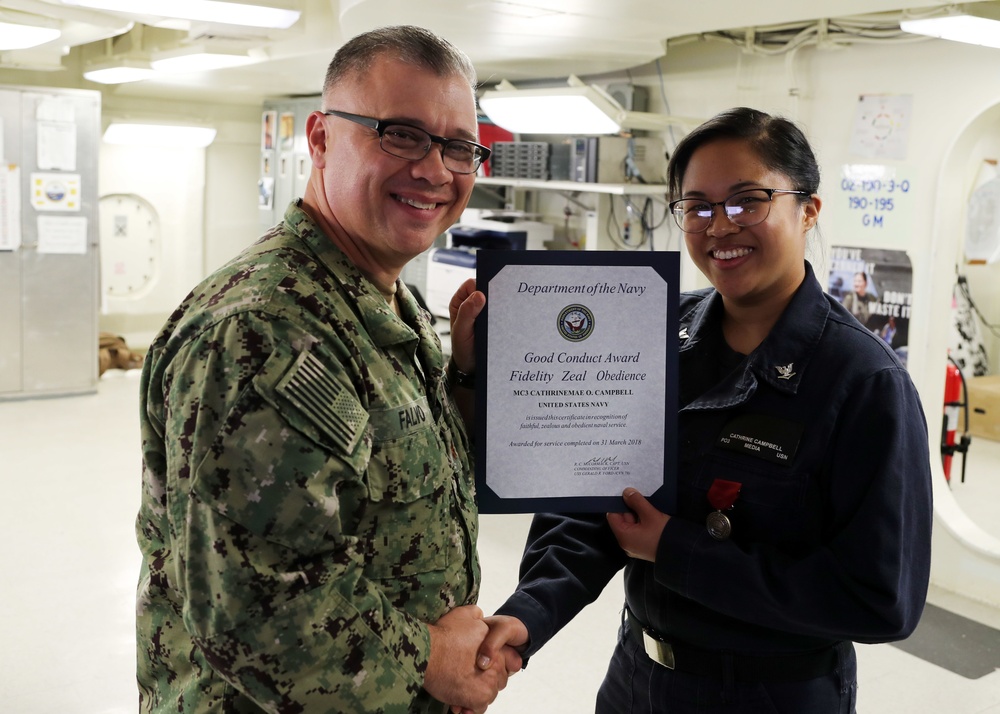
(638, 530)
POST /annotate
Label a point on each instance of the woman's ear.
(810, 211)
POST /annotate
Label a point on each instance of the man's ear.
(317, 137)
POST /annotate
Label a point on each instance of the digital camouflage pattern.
(307, 497)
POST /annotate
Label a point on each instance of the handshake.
(472, 657)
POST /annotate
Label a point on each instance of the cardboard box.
(984, 406)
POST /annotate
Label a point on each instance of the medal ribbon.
(723, 494)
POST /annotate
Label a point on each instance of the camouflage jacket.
(307, 500)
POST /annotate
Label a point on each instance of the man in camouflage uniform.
(307, 524)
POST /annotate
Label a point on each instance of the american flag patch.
(310, 387)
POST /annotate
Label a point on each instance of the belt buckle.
(659, 651)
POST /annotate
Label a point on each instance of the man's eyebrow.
(458, 134)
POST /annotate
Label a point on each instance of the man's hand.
(638, 530)
(463, 310)
(452, 673)
(507, 639)
(501, 648)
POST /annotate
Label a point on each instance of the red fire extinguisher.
(953, 387)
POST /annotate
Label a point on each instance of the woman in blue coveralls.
(781, 555)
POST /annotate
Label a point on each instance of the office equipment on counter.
(617, 159)
(449, 267)
(520, 159)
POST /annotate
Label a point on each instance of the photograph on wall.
(265, 191)
(876, 286)
(267, 128)
(286, 131)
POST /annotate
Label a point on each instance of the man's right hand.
(453, 673)
(501, 649)
(505, 642)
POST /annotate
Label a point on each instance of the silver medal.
(718, 525)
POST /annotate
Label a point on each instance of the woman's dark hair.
(778, 142)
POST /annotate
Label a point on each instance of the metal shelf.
(618, 189)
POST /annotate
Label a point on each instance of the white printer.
(479, 229)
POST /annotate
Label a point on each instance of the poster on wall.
(55, 134)
(265, 192)
(882, 126)
(268, 121)
(62, 234)
(876, 286)
(287, 131)
(55, 192)
(265, 185)
(10, 207)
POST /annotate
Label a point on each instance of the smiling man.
(307, 524)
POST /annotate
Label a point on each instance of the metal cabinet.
(49, 278)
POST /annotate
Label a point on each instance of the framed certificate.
(576, 369)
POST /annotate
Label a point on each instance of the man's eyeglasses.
(744, 208)
(412, 143)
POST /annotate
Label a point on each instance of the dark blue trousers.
(635, 684)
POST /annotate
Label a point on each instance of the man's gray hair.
(407, 43)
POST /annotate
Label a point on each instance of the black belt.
(795, 667)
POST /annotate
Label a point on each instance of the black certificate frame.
(667, 265)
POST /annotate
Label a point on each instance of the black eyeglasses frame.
(481, 152)
(679, 217)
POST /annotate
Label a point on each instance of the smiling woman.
(778, 556)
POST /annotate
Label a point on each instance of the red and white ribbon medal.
(721, 495)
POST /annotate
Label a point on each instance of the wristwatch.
(460, 378)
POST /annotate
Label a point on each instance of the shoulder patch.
(317, 393)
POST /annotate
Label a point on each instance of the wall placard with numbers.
(873, 205)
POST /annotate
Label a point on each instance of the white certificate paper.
(576, 361)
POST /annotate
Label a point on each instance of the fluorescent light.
(198, 58)
(577, 108)
(548, 115)
(557, 110)
(21, 37)
(229, 13)
(118, 71)
(159, 135)
(973, 25)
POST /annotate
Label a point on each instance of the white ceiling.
(506, 39)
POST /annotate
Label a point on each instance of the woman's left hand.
(638, 530)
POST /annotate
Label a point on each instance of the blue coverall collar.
(782, 358)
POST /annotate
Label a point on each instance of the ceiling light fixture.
(247, 13)
(577, 108)
(119, 70)
(976, 24)
(17, 36)
(198, 58)
(163, 135)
